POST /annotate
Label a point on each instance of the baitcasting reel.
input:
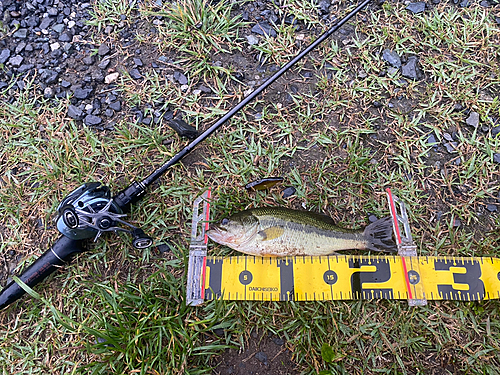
(89, 210)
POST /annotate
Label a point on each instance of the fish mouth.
(217, 234)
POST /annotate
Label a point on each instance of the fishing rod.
(91, 210)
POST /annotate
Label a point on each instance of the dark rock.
(65, 84)
(432, 140)
(495, 131)
(205, 89)
(4, 55)
(51, 11)
(50, 76)
(97, 76)
(416, 7)
(20, 47)
(372, 218)
(66, 37)
(473, 119)
(262, 357)
(288, 192)
(219, 332)
(324, 6)
(411, 69)
(464, 3)
(16, 60)
(104, 64)
(278, 341)
(88, 60)
(181, 78)
(46, 22)
(291, 20)
(58, 28)
(263, 28)
(32, 21)
(377, 104)
(492, 207)
(448, 137)
(25, 67)
(103, 49)
(458, 107)
(116, 106)
(55, 54)
(183, 129)
(91, 120)
(137, 61)
(451, 147)
(135, 74)
(96, 104)
(21, 34)
(163, 248)
(392, 58)
(82, 93)
(147, 120)
(75, 112)
(496, 158)
(109, 112)
(168, 115)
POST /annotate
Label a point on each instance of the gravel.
(416, 7)
(473, 119)
(264, 28)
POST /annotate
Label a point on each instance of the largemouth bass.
(279, 231)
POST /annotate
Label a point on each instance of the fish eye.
(225, 221)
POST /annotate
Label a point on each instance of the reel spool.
(89, 210)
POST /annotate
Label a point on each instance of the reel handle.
(61, 252)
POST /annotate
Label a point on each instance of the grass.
(118, 310)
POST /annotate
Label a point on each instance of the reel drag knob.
(140, 240)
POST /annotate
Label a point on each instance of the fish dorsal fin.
(271, 233)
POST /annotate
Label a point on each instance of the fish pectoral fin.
(270, 233)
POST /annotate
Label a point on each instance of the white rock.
(71, 24)
(111, 77)
(55, 46)
(252, 40)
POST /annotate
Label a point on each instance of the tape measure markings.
(351, 277)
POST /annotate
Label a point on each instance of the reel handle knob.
(140, 240)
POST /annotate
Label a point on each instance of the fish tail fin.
(379, 235)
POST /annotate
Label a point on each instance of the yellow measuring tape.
(350, 277)
(338, 277)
